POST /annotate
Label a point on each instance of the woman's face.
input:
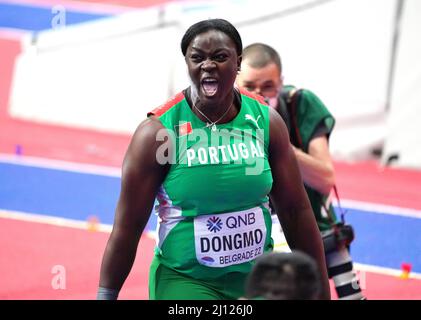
(212, 62)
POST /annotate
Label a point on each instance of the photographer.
(310, 124)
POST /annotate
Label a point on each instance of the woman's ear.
(239, 59)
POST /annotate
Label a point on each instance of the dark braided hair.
(212, 24)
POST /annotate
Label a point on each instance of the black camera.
(340, 236)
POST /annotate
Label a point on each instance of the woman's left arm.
(291, 201)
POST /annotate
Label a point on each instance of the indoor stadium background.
(76, 77)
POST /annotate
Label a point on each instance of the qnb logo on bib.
(214, 224)
(229, 238)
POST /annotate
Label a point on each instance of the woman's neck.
(215, 110)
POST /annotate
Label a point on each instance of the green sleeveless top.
(214, 216)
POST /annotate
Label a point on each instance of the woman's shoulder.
(168, 105)
(252, 96)
(253, 104)
(147, 131)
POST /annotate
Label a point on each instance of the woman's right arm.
(141, 178)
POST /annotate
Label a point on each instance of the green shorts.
(168, 284)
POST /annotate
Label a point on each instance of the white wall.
(341, 51)
(101, 80)
(404, 121)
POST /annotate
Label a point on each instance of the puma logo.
(249, 117)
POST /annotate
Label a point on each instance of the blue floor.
(385, 240)
(382, 240)
(58, 193)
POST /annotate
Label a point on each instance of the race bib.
(226, 239)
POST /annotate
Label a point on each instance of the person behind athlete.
(284, 276)
(261, 73)
(211, 155)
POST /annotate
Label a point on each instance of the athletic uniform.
(214, 216)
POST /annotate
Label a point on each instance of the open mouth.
(210, 86)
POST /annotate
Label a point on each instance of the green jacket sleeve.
(311, 113)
